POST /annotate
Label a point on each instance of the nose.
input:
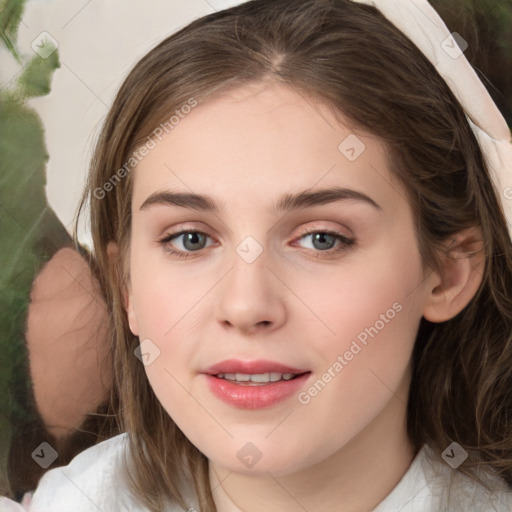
(251, 298)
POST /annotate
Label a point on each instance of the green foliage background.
(30, 233)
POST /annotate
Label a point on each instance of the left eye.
(325, 240)
(191, 240)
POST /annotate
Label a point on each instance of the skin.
(347, 448)
(67, 341)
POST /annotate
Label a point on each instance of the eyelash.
(346, 243)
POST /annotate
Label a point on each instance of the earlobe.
(459, 278)
(113, 256)
(132, 319)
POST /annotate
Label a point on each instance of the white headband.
(418, 20)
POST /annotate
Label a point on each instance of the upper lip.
(251, 367)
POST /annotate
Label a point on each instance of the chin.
(251, 461)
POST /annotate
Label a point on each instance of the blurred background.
(61, 63)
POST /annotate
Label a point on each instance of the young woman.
(341, 339)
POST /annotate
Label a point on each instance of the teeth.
(258, 378)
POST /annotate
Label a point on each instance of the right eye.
(191, 241)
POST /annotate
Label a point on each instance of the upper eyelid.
(314, 229)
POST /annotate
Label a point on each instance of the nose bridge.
(250, 295)
(249, 267)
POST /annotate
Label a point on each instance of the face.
(301, 268)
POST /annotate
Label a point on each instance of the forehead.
(266, 137)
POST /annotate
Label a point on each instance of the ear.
(457, 282)
(113, 254)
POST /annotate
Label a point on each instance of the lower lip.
(259, 396)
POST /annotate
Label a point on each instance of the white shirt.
(92, 483)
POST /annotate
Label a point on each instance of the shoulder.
(93, 480)
(430, 484)
(457, 492)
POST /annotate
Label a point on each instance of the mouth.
(254, 384)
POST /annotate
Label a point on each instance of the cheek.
(165, 306)
(373, 313)
(374, 295)
(160, 297)
(369, 320)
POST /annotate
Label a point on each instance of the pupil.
(193, 238)
(320, 237)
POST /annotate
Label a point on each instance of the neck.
(356, 477)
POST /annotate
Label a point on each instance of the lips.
(252, 367)
(254, 384)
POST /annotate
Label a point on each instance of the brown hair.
(352, 59)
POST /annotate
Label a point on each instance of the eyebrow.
(288, 202)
